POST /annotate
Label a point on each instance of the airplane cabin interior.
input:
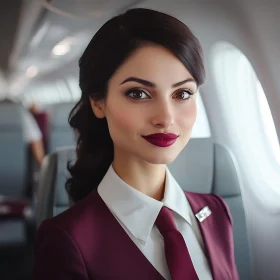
(234, 148)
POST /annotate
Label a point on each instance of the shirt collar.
(175, 198)
(137, 211)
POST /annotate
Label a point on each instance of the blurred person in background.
(35, 147)
(42, 119)
(31, 132)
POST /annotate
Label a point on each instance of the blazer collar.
(130, 206)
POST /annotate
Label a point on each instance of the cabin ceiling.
(9, 19)
(22, 20)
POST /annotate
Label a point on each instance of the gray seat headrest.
(226, 180)
(193, 168)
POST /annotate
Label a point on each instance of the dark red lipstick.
(161, 139)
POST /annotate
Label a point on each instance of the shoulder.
(55, 248)
(76, 219)
(215, 202)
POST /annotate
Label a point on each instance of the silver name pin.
(203, 213)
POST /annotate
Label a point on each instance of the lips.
(161, 139)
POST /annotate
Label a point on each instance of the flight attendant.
(131, 220)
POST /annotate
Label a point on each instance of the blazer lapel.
(120, 257)
(212, 236)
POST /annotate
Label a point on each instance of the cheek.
(186, 116)
(121, 121)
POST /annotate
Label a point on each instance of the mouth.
(161, 139)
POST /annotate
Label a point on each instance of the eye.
(183, 94)
(137, 94)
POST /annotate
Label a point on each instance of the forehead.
(154, 63)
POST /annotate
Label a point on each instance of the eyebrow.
(153, 85)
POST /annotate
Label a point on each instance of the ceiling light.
(63, 47)
(61, 50)
(31, 72)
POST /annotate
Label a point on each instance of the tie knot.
(165, 220)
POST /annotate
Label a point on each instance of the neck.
(143, 176)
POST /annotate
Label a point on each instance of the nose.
(163, 115)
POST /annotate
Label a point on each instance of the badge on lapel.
(203, 214)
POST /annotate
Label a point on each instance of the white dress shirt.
(137, 212)
(31, 131)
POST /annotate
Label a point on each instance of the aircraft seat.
(13, 158)
(13, 164)
(52, 197)
(201, 167)
(205, 167)
(60, 132)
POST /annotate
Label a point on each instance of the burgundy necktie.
(176, 252)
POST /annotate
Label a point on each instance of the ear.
(98, 108)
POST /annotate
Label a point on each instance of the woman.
(139, 76)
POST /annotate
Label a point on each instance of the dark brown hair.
(114, 42)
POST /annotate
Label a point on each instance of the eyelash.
(140, 90)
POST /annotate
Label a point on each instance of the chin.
(161, 159)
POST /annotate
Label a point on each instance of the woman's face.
(150, 93)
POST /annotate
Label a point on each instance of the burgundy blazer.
(87, 242)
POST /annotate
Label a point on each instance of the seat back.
(205, 167)
(226, 183)
(13, 151)
(13, 164)
(60, 133)
(201, 167)
(52, 197)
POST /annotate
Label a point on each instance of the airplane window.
(268, 122)
(241, 90)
